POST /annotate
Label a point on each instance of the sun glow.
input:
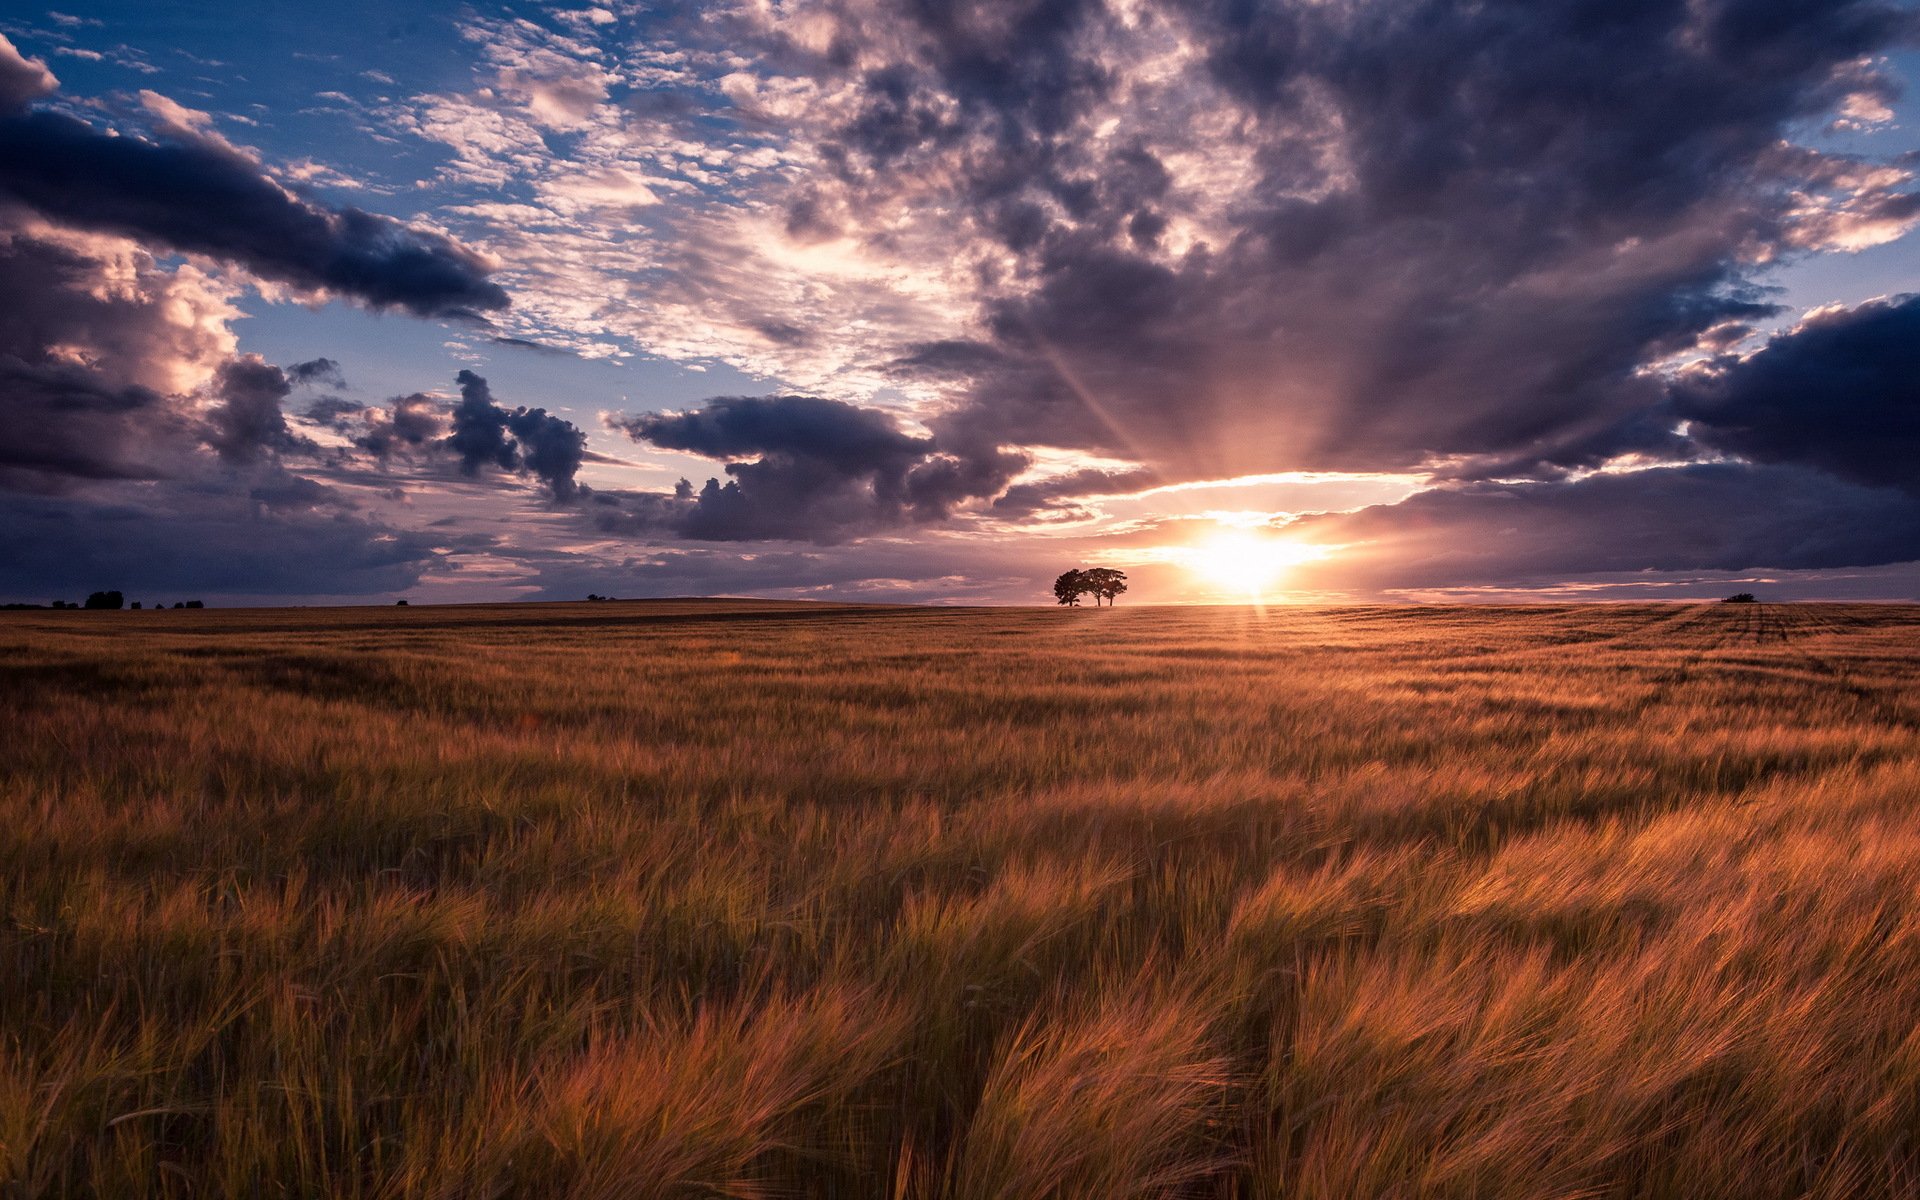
(1247, 563)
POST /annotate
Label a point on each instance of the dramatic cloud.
(521, 439)
(196, 193)
(22, 80)
(1083, 278)
(138, 448)
(248, 422)
(1212, 239)
(97, 343)
(819, 470)
(1458, 229)
(1841, 392)
(201, 200)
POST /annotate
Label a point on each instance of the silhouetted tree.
(1105, 583)
(106, 600)
(195, 604)
(1739, 598)
(1070, 587)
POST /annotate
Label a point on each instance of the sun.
(1246, 563)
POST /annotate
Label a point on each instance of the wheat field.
(664, 899)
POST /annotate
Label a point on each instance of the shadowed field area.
(738, 898)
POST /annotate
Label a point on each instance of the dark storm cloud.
(1841, 392)
(1719, 516)
(519, 439)
(198, 195)
(83, 367)
(1453, 230)
(248, 423)
(833, 432)
(820, 470)
(63, 422)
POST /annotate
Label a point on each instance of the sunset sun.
(1247, 564)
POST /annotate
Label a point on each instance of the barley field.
(679, 899)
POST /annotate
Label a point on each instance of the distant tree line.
(106, 601)
(1102, 583)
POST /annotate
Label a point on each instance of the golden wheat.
(756, 899)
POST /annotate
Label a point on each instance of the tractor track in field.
(1714, 634)
(1796, 625)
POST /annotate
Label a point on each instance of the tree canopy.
(1102, 583)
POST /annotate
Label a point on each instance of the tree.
(1070, 587)
(1098, 582)
(1739, 598)
(106, 600)
(1105, 583)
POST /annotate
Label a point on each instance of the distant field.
(732, 898)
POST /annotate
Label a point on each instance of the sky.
(931, 300)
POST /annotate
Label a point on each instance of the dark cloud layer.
(1717, 516)
(1841, 393)
(84, 370)
(64, 422)
(197, 544)
(807, 468)
(197, 194)
(205, 200)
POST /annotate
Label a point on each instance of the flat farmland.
(698, 898)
